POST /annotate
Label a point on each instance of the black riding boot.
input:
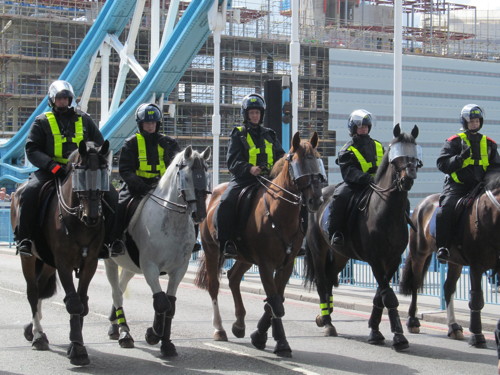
(443, 234)
(336, 221)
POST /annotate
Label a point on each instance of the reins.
(276, 196)
(159, 201)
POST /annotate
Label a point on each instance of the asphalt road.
(430, 352)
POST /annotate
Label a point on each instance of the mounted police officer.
(53, 136)
(465, 158)
(253, 150)
(144, 158)
(358, 161)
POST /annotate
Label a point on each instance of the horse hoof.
(238, 331)
(282, 349)
(168, 349)
(376, 338)
(259, 340)
(400, 342)
(413, 325)
(456, 332)
(77, 355)
(319, 321)
(28, 332)
(41, 342)
(330, 331)
(220, 336)
(125, 340)
(151, 337)
(113, 332)
(478, 341)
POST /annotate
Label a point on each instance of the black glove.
(466, 153)
(58, 170)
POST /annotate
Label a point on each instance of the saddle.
(132, 249)
(243, 207)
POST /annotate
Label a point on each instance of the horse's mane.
(492, 179)
(74, 157)
(384, 164)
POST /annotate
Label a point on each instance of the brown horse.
(476, 244)
(271, 239)
(377, 234)
(70, 237)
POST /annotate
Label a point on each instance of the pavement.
(354, 298)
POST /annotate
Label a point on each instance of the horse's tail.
(410, 281)
(201, 279)
(49, 288)
(309, 274)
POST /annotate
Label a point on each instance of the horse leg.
(412, 276)
(212, 275)
(235, 275)
(259, 337)
(376, 337)
(391, 302)
(119, 329)
(455, 330)
(167, 347)
(476, 304)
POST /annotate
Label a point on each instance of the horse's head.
(306, 170)
(90, 166)
(193, 181)
(405, 156)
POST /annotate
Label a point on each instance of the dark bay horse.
(377, 234)
(161, 237)
(476, 244)
(271, 239)
(71, 236)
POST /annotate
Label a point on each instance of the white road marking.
(288, 366)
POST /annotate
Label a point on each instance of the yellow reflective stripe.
(120, 316)
(365, 166)
(145, 169)
(59, 139)
(483, 149)
(331, 302)
(254, 151)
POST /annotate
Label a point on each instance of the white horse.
(163, 231)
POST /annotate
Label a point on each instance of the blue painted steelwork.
(172, 61)
(112, 19)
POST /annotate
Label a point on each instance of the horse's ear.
(188, 152)
(82, 148)
(314, 140)
(206, 153)
(295, 142)
(414, 132)
(104, 148)
(396, 130)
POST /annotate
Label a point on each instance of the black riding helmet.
(253, 101)
(469, 112)
(148, 112)
(61, 89)
(357, 118)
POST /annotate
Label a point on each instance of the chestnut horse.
(69, 240)
(377, 234)
(476, 244)
(271, 239)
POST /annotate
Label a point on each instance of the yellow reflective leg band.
(331, 303)
(325, 310)
(120, 316)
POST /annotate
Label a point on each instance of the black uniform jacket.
(40, 142)
(129, 160)
(349, 165)
(237, 154)
(449, 160)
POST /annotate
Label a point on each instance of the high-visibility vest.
(365, 166)
(253, 151)
(145, 169)
(484, 161)
(59, 139)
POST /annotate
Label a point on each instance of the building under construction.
(38, 37)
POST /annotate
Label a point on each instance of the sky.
(480, 4)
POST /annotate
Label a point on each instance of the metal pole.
(398, 48)
(294, 62)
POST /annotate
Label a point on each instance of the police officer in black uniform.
(358, 161)
(465, 158)
(253, 150)
(52, 138)
(144, 158)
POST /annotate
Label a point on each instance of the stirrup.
(443, 255)
(230, 249)
(337, 239)
(117, 248)
(23, 248)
